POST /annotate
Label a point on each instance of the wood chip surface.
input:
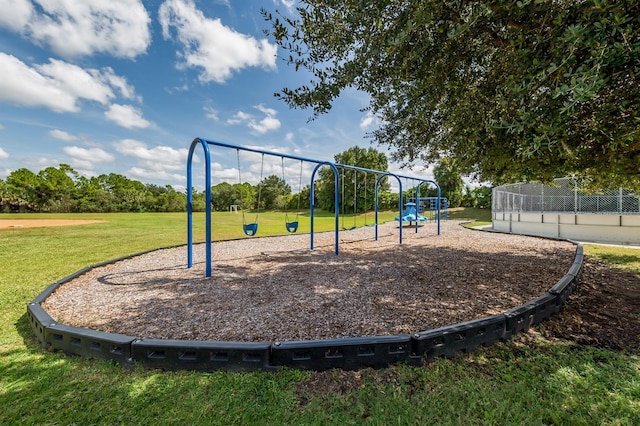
(276, 289)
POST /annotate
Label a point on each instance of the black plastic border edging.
(348, 354)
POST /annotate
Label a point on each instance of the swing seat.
(292, 227)
(250, 229)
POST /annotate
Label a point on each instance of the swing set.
(355, 199)
(291, 223)
(251, 229)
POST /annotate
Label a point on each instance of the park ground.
(580, 367)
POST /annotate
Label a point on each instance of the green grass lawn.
(525, 381)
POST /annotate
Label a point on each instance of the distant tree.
(300, 201)
(164, 199)
(270, 189)
(59, 188)
(448, 177)
(62, 189)
(26, 191)
(246, 196)
(478, 197)
(357, 188)
(224, 195)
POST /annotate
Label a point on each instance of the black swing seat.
(292, 227)
(250, 229)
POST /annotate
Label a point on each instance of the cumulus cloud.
(73, 28)
(58, 85)
(83, 160)
(145, 175)
(367, 121)
(62, 135)
(25, 86)
(158, 162)
(261, 126)
(126, 116)
(15, 14)
(210, 46)
(91, 155)
(3, 154)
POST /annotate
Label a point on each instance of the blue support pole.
(399, 200)
(207, 157)
(337, 206)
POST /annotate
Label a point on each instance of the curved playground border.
(319, 355)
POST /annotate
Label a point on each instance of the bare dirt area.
(604, 310)
(276, 289)
(39, 223)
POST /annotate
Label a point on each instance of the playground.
(275, 289)
(291, 301)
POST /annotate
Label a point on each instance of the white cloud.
(72, 28)
(15, 14)
(1, 127)
(145, 175)
(210, 46)
(262, 126)
(126, 116)
(367, 121)
(266, 124)
(169, 157)
(57, 85)
(239, 118)
(76, 81)
(286, 3)
(91, 155)
(211, 113)
(159, 162)
(22, 85)
(117, 82)
(62, 135)
(3, 154)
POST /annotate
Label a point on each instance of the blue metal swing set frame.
(206, 144)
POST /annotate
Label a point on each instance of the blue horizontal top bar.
(310, 160)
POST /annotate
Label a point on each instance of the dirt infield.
(40, 223)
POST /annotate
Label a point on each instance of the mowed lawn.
(525, 381)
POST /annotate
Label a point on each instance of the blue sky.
(124, 86)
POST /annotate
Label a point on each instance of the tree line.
(63, 190)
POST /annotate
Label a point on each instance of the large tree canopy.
(526, 90)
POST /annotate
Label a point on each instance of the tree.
(224, 195)
(479, 197)
(353, 183)
(59, 188)
(269, 191)
(26, 191)
(450, 181)
(526, 90)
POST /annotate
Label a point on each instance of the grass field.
(525, 381)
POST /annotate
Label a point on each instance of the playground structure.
(410, 214)
(566, 210)
(437, 207)
(251, 228)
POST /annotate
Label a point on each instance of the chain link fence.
(564, 195)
